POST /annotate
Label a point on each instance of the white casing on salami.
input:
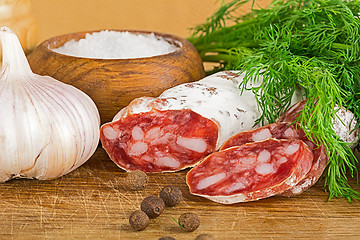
(216, 97)
(344, 123)
(344, 126)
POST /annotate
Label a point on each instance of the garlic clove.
(47, 128)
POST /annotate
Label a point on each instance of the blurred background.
(37, 20)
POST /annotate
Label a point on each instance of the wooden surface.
(90, 203)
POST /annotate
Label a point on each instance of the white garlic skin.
(47, 128)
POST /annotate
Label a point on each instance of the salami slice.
(180, 127)
(293, 112)
(318, 166)
(252, 171)
(286, 130)
(282, 130)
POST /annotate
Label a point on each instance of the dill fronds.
(312, 44)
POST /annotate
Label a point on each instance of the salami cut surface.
(286, 130)
(160, 140)
(180, 127)
(252, 171)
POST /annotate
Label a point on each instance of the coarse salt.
(117, 45)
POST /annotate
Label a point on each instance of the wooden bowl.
(113, 83)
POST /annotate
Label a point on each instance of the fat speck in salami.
(180, 127)
(252, 171)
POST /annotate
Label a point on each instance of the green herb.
(314, 45)
(177, 222)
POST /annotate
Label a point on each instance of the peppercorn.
(138, 220)
(135, 180)
(189, 221)
(171, 195)
(153, 206)
(167, 238)
(205, 236)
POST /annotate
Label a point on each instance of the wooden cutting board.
(90, 203)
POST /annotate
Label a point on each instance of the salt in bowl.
(113, 83)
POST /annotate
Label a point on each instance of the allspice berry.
(171, 195)
(153, 206)
(205, 236)
(189, 221)
(138, 220)
(135, 180)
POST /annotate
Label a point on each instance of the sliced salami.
(318, 166)
(283, 130)
(293, 112)
(252, 171)
(180, 127)
(286, 130)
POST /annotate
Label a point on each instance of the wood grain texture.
(90, 203)
(113, 83)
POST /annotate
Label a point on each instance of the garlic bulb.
(47, 128)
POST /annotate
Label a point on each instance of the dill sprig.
(309, 44)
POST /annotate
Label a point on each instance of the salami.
(286, 130)
(344, 127)
(344, 123)
(292, 113)
(283, 130)
(180, 127)
(318, 166)
(252, 171)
